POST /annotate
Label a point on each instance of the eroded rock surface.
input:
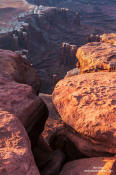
(108, 38)
(19, 108)
(97, 56)
(19, 69)
(95, 166)
(87, 103)
(15, 151)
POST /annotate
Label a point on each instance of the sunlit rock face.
(87, 103)
(97, 56)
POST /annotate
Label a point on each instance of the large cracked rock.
(53, 122)
(87, 103)
(58, 135)
(19, 108)
(97, 56)
(91, 166)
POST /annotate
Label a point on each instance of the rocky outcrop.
(97, 56)
(68, 54)
(95, 166)
(97, 15)
(109, 38)
(87, 104)
(19, 108)
(41, 31)
(19, 69)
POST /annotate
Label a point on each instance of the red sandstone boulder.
(20, 100)
(15, 150)
(87, 103)
(97, 56)
(19, 108)
(58, 135)
(19, 69)
(91, 166)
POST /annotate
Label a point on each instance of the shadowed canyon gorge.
(57, 87)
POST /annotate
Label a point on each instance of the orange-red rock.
(108, 38)
(97, 56)
(15, 150)
(91, 166)
(87, 103)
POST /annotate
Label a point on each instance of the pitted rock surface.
(87, 103)
(97, 56)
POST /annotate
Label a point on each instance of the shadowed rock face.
(87, 103)
(42, 30)
(97, 56)
(20, 108)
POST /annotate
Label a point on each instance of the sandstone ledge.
(97, 56)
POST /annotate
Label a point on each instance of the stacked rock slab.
(97, 56)
(19, 108)
(87, 103)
